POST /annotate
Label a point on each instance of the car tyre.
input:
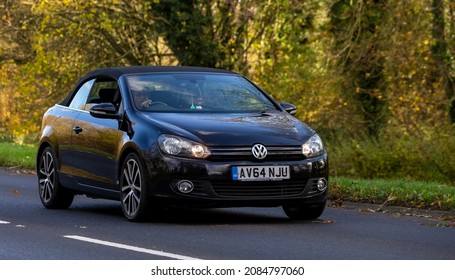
(52, 194)
(306, 212)
(133, 189)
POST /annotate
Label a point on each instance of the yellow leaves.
(5, 19)
(66, 2)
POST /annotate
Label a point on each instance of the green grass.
(16, 155)
(405, 192)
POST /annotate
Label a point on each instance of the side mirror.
(104, 111)
(288, 107)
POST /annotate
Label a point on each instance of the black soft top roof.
(116, 72)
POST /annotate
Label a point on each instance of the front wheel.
(305, 212)
(52, 194)
(133, 188)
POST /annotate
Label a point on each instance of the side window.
(80, 98)
(104, 91)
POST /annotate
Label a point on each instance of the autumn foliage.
(376, 78)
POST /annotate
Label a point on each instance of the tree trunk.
(441, 55)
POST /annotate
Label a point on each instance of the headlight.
(177, 146)
(313, 147)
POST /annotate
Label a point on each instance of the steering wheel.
(158, 103)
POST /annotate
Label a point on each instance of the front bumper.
(214, 186)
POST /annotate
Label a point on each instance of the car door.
(63, 129)
(96, 143)
(63, 125)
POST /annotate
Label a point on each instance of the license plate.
(260, 173)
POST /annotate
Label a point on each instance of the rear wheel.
(305, 212)
(133, 188)
(52, 194)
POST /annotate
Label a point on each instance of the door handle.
(77, 129)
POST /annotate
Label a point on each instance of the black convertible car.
(154, 137)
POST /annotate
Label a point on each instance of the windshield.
(196, 92)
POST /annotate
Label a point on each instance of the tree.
(105, 33)
(217, 33)
(17, 25)
(356, 27)
(187, 30)
(441, 55)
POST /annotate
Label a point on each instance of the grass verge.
(18, 156)
(407, 193)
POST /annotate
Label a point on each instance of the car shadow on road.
(196, 216)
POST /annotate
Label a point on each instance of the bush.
(427, 156)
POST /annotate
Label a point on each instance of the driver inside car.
(142, 100)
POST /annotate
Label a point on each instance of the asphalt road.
(96, 229)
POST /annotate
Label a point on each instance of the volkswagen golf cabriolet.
(153, 137)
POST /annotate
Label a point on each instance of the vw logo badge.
(259, 151)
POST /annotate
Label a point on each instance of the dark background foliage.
(374, 77)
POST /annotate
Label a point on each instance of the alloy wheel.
(52, 194)
(46, 176)
(131, 188)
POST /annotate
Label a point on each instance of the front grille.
(244, 153)
(259, 189)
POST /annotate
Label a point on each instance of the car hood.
(278, 128)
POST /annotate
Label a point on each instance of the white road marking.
(131, 248)
(4, 222)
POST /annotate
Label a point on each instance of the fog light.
(322, 184)
(185, 186)
(321, 163)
